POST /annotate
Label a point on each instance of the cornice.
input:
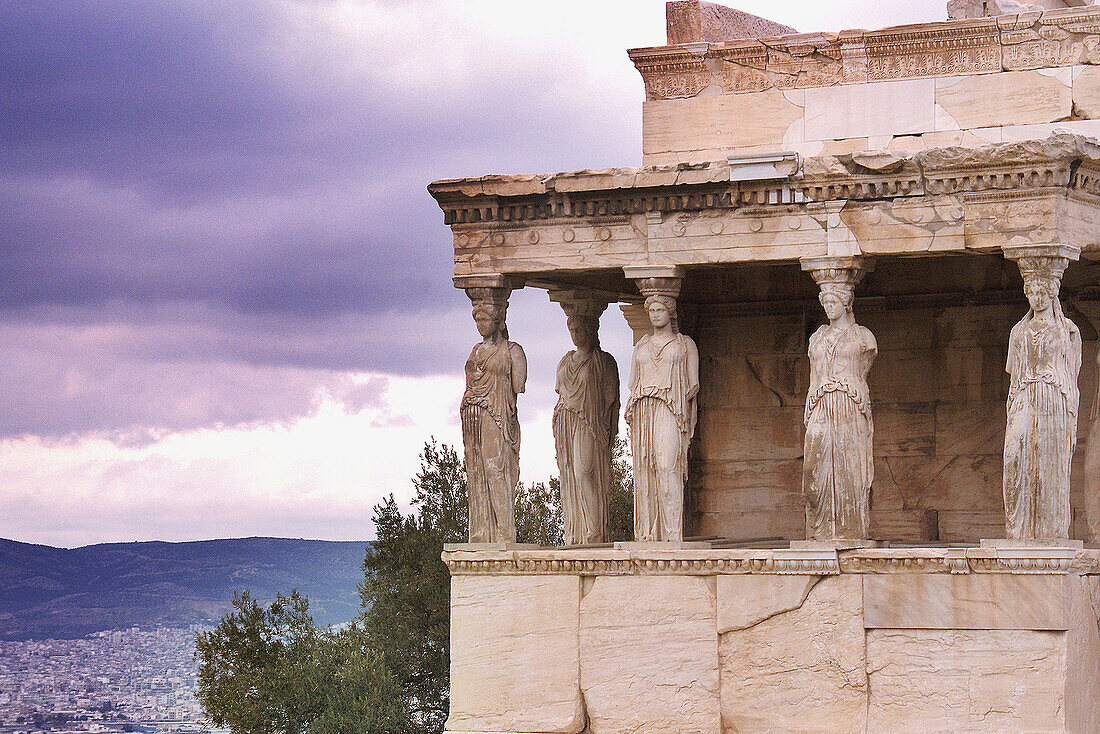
(1063, 162)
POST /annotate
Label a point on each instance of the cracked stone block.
(799, 670)
(691, 21)
(650, 660)
(1083, 655)
(966, 681)
(515, 655)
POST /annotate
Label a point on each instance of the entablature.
(939, 201)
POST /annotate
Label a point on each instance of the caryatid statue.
(661, 413)
(496, 373)
(586, 421)
(838, 464)
(1044, 360)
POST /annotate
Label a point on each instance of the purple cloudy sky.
(224, 291)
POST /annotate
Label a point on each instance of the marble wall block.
(515, 650)
(801, 670)
(880, 108)
(650, 656)
(705, 125)
(966, 681)
(966, 601)
(1086, 91)
(1083, 655)
(1011, 98)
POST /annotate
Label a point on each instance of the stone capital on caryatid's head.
(488, 290)
(580, 302)
(1048, 262)
(962, 9)
(656, 280)
(837, 272)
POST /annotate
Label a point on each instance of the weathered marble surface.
(723, 640)
(585, 422)
(1044, 362)
(1083, 654)
(941, 199)
(838, 463)
(964, 601)
(967, 681)
(496, 372)
(661, 413)
(515, 655)
(650, 663)
(691, 21)
(801, 670)
(746, 601)
(960, 9)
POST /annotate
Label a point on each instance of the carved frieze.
(674, 75)
(943, 51)
(614, 562)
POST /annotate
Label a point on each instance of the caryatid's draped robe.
(838, 466)
(1044, 360)
(490, 436)
(586, 421)
(661, 413)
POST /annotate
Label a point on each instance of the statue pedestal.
(475, 547)
(659, 545)
(1043, 544)
(834, 544)
(755, 640)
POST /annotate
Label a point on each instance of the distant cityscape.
(118, 681)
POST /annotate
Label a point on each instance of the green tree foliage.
(271, 670)
(406, 591)
(538, 514)
(622, 494)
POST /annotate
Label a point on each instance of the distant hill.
(60, 593)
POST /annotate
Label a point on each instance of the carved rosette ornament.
(1044, 360)
(496, 372)
(838, 459)
(661, 411)
(586, 421)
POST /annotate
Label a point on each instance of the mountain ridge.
(63, 593)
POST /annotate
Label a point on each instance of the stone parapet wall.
(1017, 42)
(707, 641)
(967, 82)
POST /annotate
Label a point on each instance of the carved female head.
(1042, 280)
(836, 299)
(1040, 292)
(489, 318)
(661, 310)
(584, 330)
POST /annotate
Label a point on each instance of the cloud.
(214, 223)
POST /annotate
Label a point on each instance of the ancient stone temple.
(860, 271)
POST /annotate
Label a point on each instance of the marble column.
(838, 465)
(586, 420)
(496, 373)
(1044, 361)
(661, 411)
